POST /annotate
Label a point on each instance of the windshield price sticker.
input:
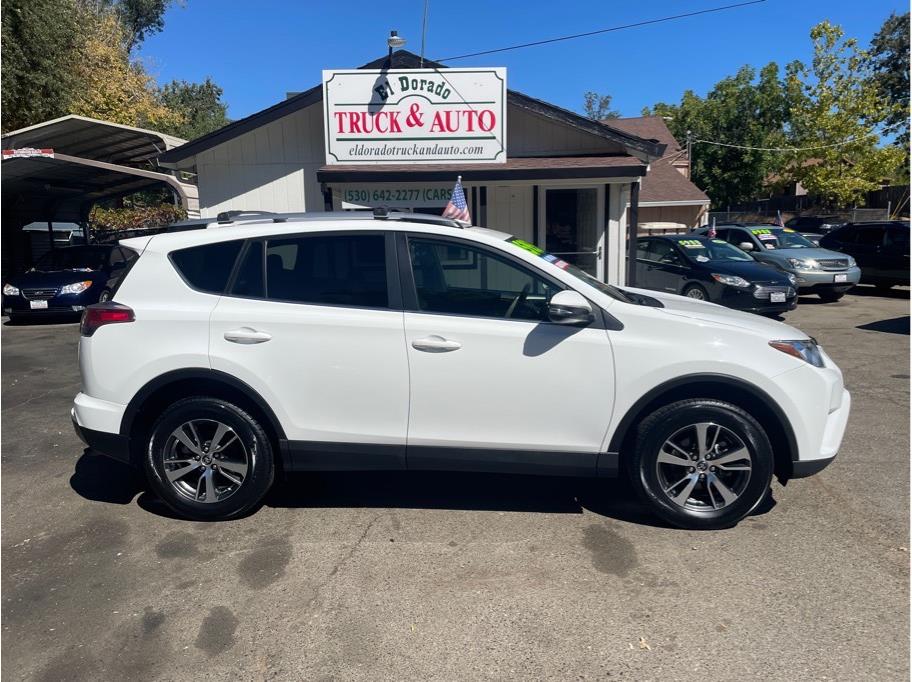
(691, 243)
(719, 241)
(787, 229)
(761, 231)
(541, 253)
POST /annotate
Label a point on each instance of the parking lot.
(443, 576)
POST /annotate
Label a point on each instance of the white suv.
(398, 341)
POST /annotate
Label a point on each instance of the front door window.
(571, 220)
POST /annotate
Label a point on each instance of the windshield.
(73, 258)
(781, 238)
(608, 289)
(711, 250)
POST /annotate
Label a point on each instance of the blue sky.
(257, 51)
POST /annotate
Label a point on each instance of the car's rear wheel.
(209, 459)
(701, 463)
(830, 296)
(105, 296)
(697, 292)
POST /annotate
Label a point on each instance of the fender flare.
(198, 373)
(624, 426)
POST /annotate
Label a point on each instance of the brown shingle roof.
(647, 127)
(663, 182)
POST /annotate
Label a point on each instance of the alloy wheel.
(703, 467)
(205, 460)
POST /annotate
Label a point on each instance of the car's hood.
(57, 278)
(804, 253)
(751, 270)
(682, 306)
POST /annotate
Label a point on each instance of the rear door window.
(346, 270)
(870, 236)
(208, 267)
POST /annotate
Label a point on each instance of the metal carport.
(57, 170)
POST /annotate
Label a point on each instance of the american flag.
(457, 208)
(712, 230)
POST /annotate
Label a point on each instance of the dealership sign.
(415, 116)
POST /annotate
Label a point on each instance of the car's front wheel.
(209, 459)
(701, 463)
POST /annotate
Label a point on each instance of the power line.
(777, 149)
(604, 30)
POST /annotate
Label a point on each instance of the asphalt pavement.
(452, 577)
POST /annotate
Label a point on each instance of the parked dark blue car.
(713, 270)
(65, 281)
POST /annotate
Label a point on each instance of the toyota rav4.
(245, 348)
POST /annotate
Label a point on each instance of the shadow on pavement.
(893, 325)
(44, 320)
(102, 479)
(871, 290)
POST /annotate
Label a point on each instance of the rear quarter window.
(208, 267)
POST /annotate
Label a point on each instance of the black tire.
(678, 417)
(830, 296)
(252, 440)
(105, 296)
(696, 292)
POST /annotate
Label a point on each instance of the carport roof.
(89, 138)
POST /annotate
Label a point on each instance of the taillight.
(99, 314)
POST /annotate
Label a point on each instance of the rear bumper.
(110, 444)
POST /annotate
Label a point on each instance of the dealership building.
(547, 175)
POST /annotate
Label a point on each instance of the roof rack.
(383, 213)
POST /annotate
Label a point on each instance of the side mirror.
(746, 246)
(571, 308)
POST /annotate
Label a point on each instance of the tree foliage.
(888, 59)
(139, 18)
(740, 110)
(40, 39)
(199, 104)
(134, 217)
(598, 107)
(835, 104)
(110, 86)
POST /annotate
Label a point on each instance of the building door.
(572, 227)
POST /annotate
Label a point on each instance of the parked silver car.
(829, 274)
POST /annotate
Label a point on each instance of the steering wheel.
(518, 300)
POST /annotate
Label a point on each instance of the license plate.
(840, 278)
(777, 297)
(38, 305)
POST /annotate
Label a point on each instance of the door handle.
(246, 335)
(435, 344)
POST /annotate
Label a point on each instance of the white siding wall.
(271, 168)
(510, 210)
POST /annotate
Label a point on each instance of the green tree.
(110, 86)
(598, 107)
(199, 104)
(889, 62)
(40, 38)
(743, 110)
(139, 18)
(834, 104)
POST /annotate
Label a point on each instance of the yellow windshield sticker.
(691, 243)
(761, 230)
(719, 241)
(527, 246)
(787, 229)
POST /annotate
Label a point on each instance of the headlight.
(76, 287)
(732, 280)
(10, 290)
(792, 278)
(804, 263)
(852, 262)
(806, 350)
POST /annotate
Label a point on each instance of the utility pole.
(689, 150)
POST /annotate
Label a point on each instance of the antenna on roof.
(424, 30)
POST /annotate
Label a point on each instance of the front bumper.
(745, 300)
(67, 304)
(833, 432)
(826, 279)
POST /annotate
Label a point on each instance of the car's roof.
(170, 241)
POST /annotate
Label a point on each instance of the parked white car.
(398, 341)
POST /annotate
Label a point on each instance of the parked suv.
(405, 342)
(828, 274)
(881, 249)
